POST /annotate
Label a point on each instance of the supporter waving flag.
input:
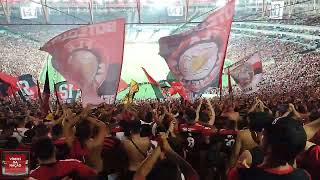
(196, 57)
(90, 57)
(248, 75)
(8, 84)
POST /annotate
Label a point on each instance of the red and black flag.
(27, 86)
(8, 84)
(196, 57)
(46, 95)
(248, 74)
(155, 85)
(90, 57)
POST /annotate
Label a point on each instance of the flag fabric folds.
(155, 85)
(248, 75)
(177, 88)
(46, 96)
(8, 84)
(196, 57)
(90, 57)
(134, 88)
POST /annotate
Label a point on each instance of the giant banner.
(90, 57)
(196, 57)
(248, 75)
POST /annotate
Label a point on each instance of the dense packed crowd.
(247, 138)
(270, 134)
(20, 56)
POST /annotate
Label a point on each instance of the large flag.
(134, 87)
(248, 74)
(196, 57)
(46, 96)
(28, 87)
(90, 57)
(8, 84)
(122, 85)
(67, 92)
(155, 85)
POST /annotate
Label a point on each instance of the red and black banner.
(248, 75)
(28, 87)
(90, 57)
(196, 57)
(8, 84)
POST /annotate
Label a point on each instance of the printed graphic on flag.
(27, 86)
(67, 92)
(196, 57)
(90, 57)
(248, 75)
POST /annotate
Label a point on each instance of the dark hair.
(41, 130)
(43, 148)
(146, 130)
(83, 132)
(204, 116)
(57, 130)
(12, 143)
(149, 117)
(287, 139)
(190, 115)
(134, 126)
(258, 120)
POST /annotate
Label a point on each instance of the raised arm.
(213, 114)
(312, 128)
(147, 165)
(198, 111)
(98, 140)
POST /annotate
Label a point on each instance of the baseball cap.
(258, 120)
(286, 132)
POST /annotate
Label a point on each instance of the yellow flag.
(134, 87)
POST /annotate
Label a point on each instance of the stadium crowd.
(271, 134)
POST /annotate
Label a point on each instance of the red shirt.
(63, 168)
(310, 161)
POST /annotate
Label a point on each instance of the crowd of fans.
(269, 136)
(20, 56)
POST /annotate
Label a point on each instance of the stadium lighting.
(221, 3)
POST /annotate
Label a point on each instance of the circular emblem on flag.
(245, 74)
(84, 66)
(199, 60)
